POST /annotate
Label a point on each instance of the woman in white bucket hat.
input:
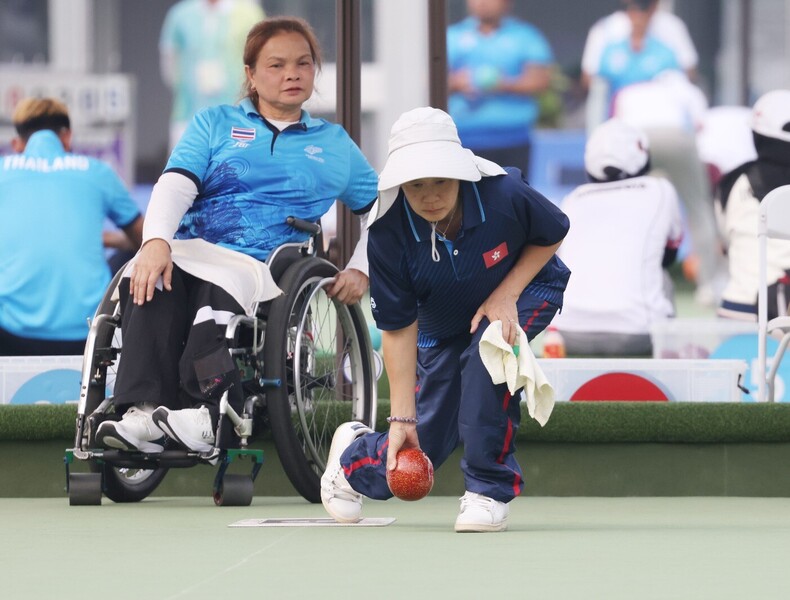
(456, 242)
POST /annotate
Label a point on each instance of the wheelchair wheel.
(235, 490)
(120, 484)
(124, 484)
(320, 349)
(84, 489)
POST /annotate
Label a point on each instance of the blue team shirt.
(251, 177)
(494, 120)
(53, 207)
(622, 66)
(501, 216)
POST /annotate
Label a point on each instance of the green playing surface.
(170, 548)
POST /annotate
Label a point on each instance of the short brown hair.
(265, 30)
(35, 114)
(640, 5)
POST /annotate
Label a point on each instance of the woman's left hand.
(349, 286)
(499, 307)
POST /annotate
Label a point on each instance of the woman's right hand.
(152, 262)
(401, 435)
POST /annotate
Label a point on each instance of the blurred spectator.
(725, 140)
(739, 197)
(53, 205)
(200, 47)
(625, 229)
(670, 110)
(629, 46)
(497, 65)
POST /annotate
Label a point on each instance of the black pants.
(174, 352)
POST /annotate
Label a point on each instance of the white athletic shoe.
(135, 431)
(190, 427)
(480, 513)
(340, 500)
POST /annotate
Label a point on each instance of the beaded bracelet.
(402, 420)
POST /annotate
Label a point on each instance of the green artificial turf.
(34, 422)
(661, 422)
(583, 422)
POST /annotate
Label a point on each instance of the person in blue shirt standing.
(632, 45)
(200, 49)
(217, 211)
(497, 66)
(53, 207)
(458, 242)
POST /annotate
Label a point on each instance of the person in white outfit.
(627, 229)
(739, 197)
(670, 110)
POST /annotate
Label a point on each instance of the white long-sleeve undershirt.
(173, 195)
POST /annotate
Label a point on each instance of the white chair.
(774, 223)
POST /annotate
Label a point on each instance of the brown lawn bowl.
(412, 478)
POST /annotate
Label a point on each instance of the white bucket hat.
(771, 115)
(424, 143)
(616, 144)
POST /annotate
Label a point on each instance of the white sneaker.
(340, 500)
(135, 431)
(190, 427)
(480, 513)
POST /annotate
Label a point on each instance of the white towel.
(517, 371)
(245, 278)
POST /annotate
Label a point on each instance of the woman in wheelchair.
(217, 212)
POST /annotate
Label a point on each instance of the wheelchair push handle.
(302, 225)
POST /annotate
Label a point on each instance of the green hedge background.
(584, 422)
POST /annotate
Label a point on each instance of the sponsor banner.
(648, 379)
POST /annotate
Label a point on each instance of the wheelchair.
(306, 363)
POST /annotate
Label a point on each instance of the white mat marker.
(307, 522)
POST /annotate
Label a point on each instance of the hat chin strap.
(434, 250)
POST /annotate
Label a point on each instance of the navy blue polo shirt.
(502, 215)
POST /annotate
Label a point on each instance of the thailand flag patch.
(242, 133)
(495, 256)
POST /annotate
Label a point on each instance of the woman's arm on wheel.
(352, 282)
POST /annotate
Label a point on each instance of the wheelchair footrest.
(170, 459)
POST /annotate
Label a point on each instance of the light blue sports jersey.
(494, 120)
(251, 177)
(621, 65)
(53, 206)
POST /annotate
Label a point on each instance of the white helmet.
(616, 145)
(771, 115)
